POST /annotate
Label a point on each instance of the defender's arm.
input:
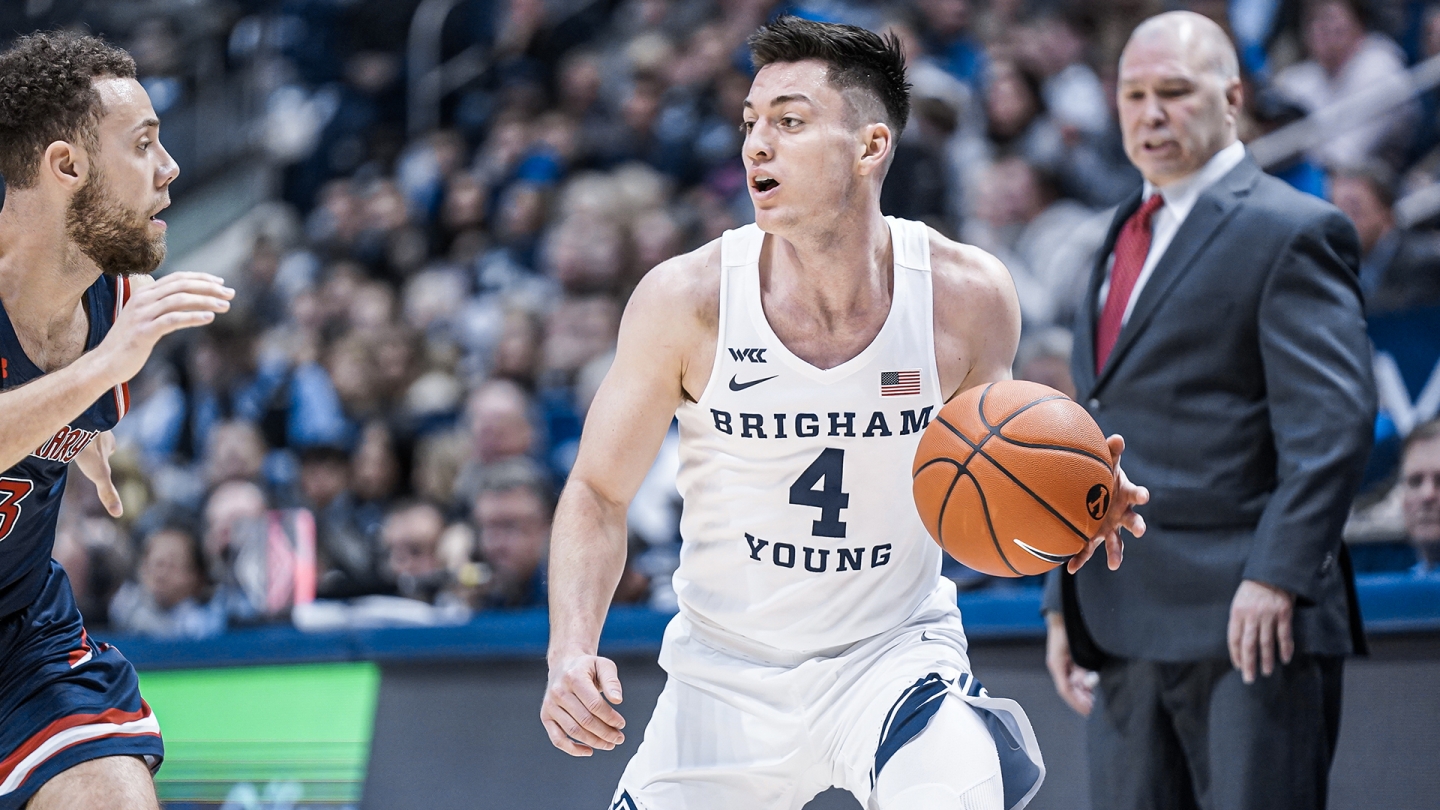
(34, 411)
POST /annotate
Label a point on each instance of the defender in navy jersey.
(817, 644)
(85, 176)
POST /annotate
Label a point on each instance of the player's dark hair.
(46, 96)
(855, 59)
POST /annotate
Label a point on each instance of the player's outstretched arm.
(977, 330)
(34, 411)
(624, 429)
(1122, 515)
(94, 462)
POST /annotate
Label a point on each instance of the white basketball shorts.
(741, 725)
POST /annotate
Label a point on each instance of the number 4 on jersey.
(829, 468)
(12, 492)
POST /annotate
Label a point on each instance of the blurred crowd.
(422, 321)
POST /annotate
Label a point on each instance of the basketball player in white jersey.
(816, 643)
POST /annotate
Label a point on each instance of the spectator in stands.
(1399, 267)
(512, 512)
(584, 255)
(578, 332)
(411, 540)
(95, 563)
(499, 428)
(1072, 92)
(945, 27)
(1016, 119)
(223, 380)
(1420, 504)
(1044, 357)
(235, 452)
(232, 515)
(169, 598)
(517, 354)
(1047, 242)
(1269, 110)
(1347, 62)
(347, 548)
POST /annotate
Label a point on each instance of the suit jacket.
(1242, 385)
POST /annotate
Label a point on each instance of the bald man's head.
(1200, 37)
(1179, 95)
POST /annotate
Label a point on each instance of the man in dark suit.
(1223, 336)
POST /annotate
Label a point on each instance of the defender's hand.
(94, 461)
(1260, 616)
(576, 715)
(1075, 684)
(1123, 500)
(177, 301)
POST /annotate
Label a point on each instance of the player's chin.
(145, 263)
(771, 218)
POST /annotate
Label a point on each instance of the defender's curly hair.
(46, 95)
(855, 59)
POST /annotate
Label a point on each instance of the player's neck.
(43, 275)
(836, 269)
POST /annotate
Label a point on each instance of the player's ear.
(66, 163)
(878, 141)
(1235, 95)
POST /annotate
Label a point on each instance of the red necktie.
(1131, 248)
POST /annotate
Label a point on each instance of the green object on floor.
(260, 737)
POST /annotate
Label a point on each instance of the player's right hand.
(177, 301)
(577, 710)
(1075, 684)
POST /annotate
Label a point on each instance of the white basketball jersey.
(799, 528)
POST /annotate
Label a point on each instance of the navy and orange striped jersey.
(30, 491)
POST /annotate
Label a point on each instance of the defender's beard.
(114, 237)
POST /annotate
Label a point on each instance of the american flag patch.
(899, 383)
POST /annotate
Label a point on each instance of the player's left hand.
(1260, 618)
(1125, 497)
(94, 461)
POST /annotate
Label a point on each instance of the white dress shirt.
(1180, 197)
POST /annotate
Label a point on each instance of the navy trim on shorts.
(908, 717)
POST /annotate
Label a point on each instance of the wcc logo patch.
(747, 355)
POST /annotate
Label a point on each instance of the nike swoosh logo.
(1047, 557)
(925, 636)
(739, 386)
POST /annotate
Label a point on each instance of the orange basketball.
(1012, 478)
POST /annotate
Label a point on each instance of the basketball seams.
(1047, 431)
(984, 509)
(1028, 491)
(1060, 448)
(961, 471)
(994, 430)
(976, 450)
(997, 430)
